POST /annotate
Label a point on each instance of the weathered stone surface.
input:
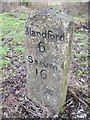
(48, 39)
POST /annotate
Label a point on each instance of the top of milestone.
(53, 12)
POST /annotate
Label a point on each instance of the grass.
(81, 36)
(11, 25)
(84, 44)
(4, 50)
(79, 55)
(79, 73)
(20, 49)
(4, 63)
(81, 19)
(85, 63)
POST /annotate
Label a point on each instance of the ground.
(15, 101)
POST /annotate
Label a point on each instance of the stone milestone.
(48, 37)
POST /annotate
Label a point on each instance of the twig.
(78, 98)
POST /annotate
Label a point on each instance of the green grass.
(79, 73)
(85, 63)
(13, 24)
(81, 36)
(3, 51)
(81, 19)
(84, 44)
(20, 49)
(79, 55)
(4, 63)
(62, 110)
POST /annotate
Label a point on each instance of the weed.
(3, 51)
(62, 110)
(85, 63)
(81, 36)
(20, 49)
(78, 73)
(84, 44)
(13, 25)
(79, 55)
(4, 63)
(80, 19)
